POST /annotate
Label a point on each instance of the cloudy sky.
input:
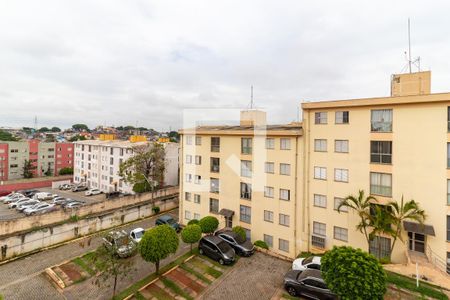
(127, 62)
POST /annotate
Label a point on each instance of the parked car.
(307, 283)
(74, 204)
(39, 208)
(71, 203)
(137, 234)
(311, 262)
(92, 192)
(120, 243)
(30, 193)
(65, 186)
(61, 200)
(45, 196)
(217, 249)
(19, 201)
(241, 246)
(13, 198)
(168, 220)
(22, 206)
(79, 188)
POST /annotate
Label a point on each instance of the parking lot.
(10, 214)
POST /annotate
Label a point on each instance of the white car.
(92, 192)
(45, 196)
(38, 208)
(22, 206)
(301, 264)
(14, 204)
(13, 198)
(74, 204)
(137, 234)
(8, 196)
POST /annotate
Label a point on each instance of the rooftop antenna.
(251, 97)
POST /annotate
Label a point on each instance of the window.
(246, 214)
(215, 164)
(448, 228)
(269, 167)
(188, 177)
(341, 117)
(285, 144)
(380, 247)
(337, 202)
(320, 145)
(111, 160)
(246, 191)
(213, 205)
(189, 140)
(448, 155)
(283, 245)
(270, 143)
(197, 179)
(188, 159)
(381, 120)
(381, 184)
(111, 151)
(269, 240)
(284, 220)
(341, 175)
(268, 216)
(198, 140)
(341, 146)
(448, 191)
(196, 216)
(320, 173)
(187, 215)
(268, 191)
(197, 198)
(448, 118)
(246, 145)
(319, 228)
(214, 185)
(198, 160)
(341, 234)
(381, 152)
(320, 118)
(285, 169)
(246, 168)
(320, 200)
(285, 194)
(215, 144)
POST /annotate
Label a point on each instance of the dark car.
(30, 193)
(307, 283)
(241, 246)
(217, 249)
(168, 220)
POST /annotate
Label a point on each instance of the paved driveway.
(257, 277)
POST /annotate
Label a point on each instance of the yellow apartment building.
(389, 147)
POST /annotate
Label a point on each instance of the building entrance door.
(229, 222)
(416, 242)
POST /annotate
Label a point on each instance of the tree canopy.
(353, 274)
(55, 129)
(80, 127)
(209, 224)
(158, 243)
(191, 234)
(77, 138)
(240, 231)
(44, 129)
(6, 136)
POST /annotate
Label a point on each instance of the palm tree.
(381, 223)
(409, 210)
(361, 205)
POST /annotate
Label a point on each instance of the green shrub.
(240, 231)
(209, 224)
(191, 234)
(353, 274)
(66, 171)
(141, 187)
(261, 244)
(193, 221)
(156, 210)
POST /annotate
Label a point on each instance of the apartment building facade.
(44, 161)
(390, 147)
(97, 163)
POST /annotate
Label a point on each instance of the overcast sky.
(121, 62)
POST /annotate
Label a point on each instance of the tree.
(209, 224)
(129, 128)
(77, 138)
(44, 129)
(191, 234)
(193, 221)
(158, 243)
(80, 127)
(56, 129)
(66, 171)
(50, 138)
(6, 136)
(145, 169)
(361, 205)
(240, 231)
(174, 135)
(109, 265)
(403, 211)
(27, 170)
(27, 130)
(380, 222)
(353, 274)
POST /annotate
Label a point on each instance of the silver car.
(22, 206)
(39, 208)
(17, 202)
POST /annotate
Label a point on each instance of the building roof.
(287, 129)
(379, 101)
(111, 143)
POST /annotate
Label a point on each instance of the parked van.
(217, 249)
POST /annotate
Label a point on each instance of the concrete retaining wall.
(34, 239)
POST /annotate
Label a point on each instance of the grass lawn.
(175, 288)
(213, 272)
(195, 273)
(80, 262)
(407, 283)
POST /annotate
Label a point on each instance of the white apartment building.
(97, 163)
